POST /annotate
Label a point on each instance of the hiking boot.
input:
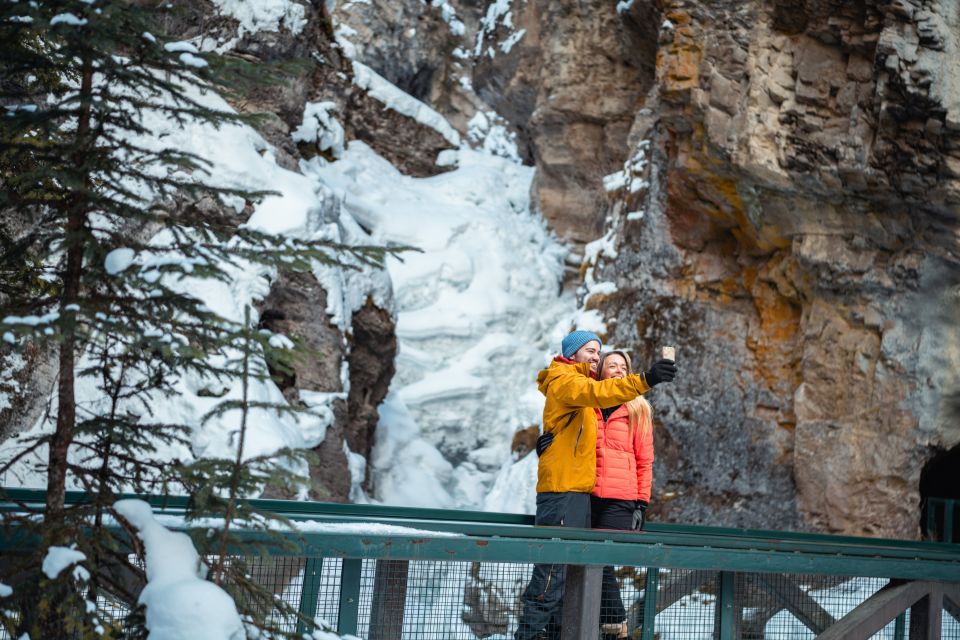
(614, 630)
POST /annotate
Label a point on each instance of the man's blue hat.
(572, 343)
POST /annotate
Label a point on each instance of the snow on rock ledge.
(264, 15)
(401, 102)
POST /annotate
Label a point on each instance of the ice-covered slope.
(479, 312)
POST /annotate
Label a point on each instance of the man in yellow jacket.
(567, 468)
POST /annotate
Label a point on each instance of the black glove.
(639, 515)
(543, 442)
(661, 371)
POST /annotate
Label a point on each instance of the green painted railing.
(733, 561)
(942, 516)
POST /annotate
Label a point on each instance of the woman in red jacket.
(624, 477)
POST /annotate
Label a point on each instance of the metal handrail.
(12, 498)
(513, 538)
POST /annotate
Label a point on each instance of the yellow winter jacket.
(570, 462)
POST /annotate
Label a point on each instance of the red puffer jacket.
(624, 463)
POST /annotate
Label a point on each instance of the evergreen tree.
(220, 488)
(93, 199)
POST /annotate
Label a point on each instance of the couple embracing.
(595, 466)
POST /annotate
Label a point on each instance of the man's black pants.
(543, 597)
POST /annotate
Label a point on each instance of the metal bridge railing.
(389, 573)
(943, 519)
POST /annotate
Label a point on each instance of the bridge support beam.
(926, 616)
(349, 596)
(309, 592)
(581, 603)
(924, 599)
(389, 600)
(797, 601)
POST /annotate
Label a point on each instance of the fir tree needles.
(104, 222)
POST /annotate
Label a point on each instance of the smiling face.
(614, 366)
(589, 352)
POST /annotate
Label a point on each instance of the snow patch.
(511, 40)
(488, 131)
(320, 127)
(401, 102)
(630, 177)
(181, 46)
(68, 19)
(498, 14)
(179, 602)
(449, 15)
(264, 15)
(59, 558)
(357, 465)
(192, 61)
(13, 363)
(342, 35)
(118, 260)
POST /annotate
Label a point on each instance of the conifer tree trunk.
(66, 398)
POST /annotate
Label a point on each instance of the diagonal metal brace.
(796, 601)
(874, 613)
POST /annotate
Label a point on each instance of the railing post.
(650, 602)
(926, 616)
(581, 603)
(726, 611)
(389, 598)
(349, 596)
(948, 520)
(932, 518)
(310, 591)
(900, 627)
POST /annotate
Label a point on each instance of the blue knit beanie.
(572, 343)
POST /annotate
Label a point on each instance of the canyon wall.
(785, 213)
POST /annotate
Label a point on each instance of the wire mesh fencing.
(450, 600)
(431, 600)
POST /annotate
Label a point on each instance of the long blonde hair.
(639, 412)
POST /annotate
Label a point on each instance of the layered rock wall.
(798, 242)
(572, 85)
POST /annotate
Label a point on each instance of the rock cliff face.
(777, 187)
(787, 216)
(781, 202)
(572, 85)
